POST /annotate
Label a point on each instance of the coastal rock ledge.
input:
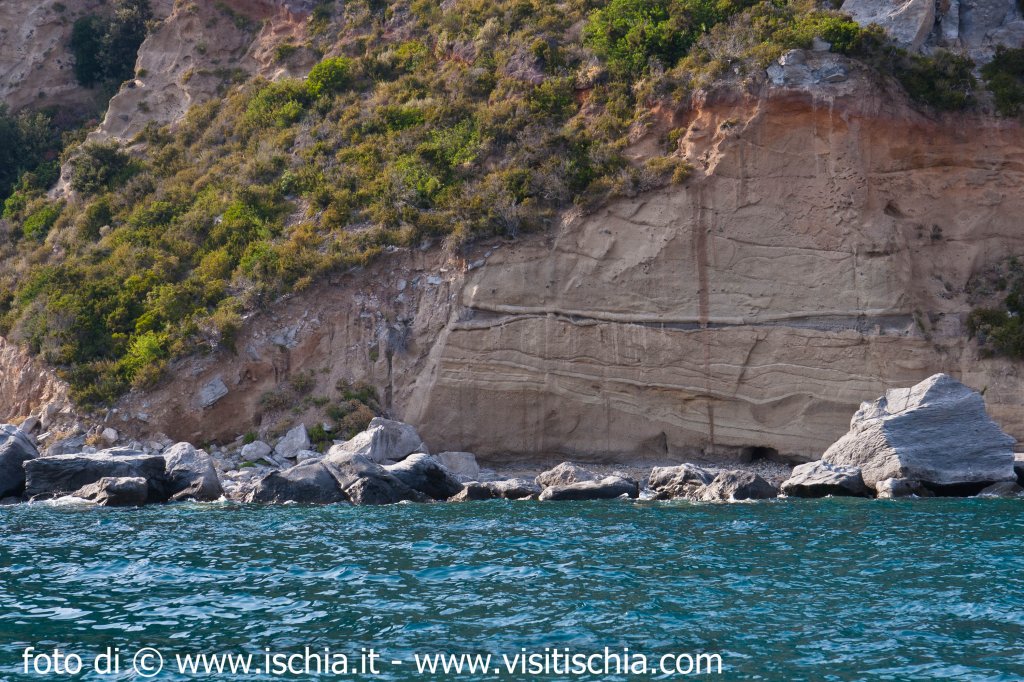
(933, 436)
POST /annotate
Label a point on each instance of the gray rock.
(255, 450)
(936, 432)
(109, 436)
(511, 489)
(30, 425)
(384, 440)
(684, 481)
(565, 473)
(306, 483)
(116, 492)
(66, 446)
(15, 449)
(47, 477)
(831, 73)
(459, 463)
(819, 479)
(607, 488)
(736, 486)
(893, 488)
(293, 442)
(306, 455)
(364, 482)
(425, 474)
(211, 392)
(191, 474)
(1002, 489)
(907, 22)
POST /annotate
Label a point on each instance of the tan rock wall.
(819, 255)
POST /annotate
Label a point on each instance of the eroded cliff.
(819, 254)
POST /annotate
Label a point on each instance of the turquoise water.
(794, 590)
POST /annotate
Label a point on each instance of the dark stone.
(15, 449)
(47, 477)
(425, 474)
(306, 483)
(820, 479)
(116, 492)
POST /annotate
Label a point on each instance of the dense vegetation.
(1000, 329)
(105, 48)
(1004, 76)
(429, 122)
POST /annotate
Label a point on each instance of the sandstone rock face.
(936, 432)
(181, 63)
(462, 464)
(60, 475)
(384, 440)
(36, 66)
(116, 492)
(15, 449)
(820, 254)
(607, 488)
(819, 479)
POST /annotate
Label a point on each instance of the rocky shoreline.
(933, 439)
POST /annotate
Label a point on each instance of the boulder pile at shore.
(931, 439)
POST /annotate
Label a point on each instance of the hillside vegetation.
(423, 122)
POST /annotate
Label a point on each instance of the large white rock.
(255, 450)
(936, 432)
(293, 442)
(384, 440)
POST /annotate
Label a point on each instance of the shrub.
(628, 33)
(1004, 76)
(276, 104)
(38, 223)
(329, 76)
(106, 49)
(99, 167)
(943, 80)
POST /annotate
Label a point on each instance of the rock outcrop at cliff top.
(936, 432)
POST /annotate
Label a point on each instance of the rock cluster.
(932, 438)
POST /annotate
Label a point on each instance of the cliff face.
(819, 254)
(197, 51)
(36, 67)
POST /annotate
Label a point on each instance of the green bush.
(1004, 76)
(629, 33)
(38, 223)
(329, 76)
(943, 80)
(106, 49)
(99, 167)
